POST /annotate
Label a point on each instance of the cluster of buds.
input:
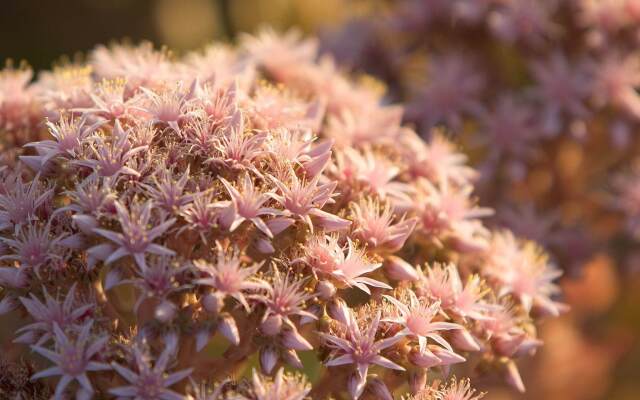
(543, 94)
(179, 220)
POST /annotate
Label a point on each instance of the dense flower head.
(259, 193)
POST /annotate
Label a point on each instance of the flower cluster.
(259, 193)
(542, 94)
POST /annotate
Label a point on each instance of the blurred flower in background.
(543, 96)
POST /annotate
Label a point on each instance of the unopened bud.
(293, 340)
(355, 385)
(424, 359)
(213, 302)
(400, 270)
(291, 358)
(165, 311)
(463, 340)
(326, 290)
(229, 330)
(268, 359)
(513, 377)
(378, 389)
(418, 380)
(272, 325)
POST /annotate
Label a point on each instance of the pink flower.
(155, 280)
(327, 258)
(69, 134)
(228, 278)
(152, 380)
(417, 318)
(284, 298)
(360, 128)
(110, 100)
(73, 359)
(377, 175)
(452, 92)
(374, 225)
(237, 148)
(523, 20)
(351, 345)
(168, 191)
(20, 202)
(248, 205)
(112, 157)
(168, 107)
(616, 79)
(280, 54)
(303, 199)
(522, 269)
(136, 239)
(281, 387)
(446, 211)
(438, 160)
(442, 282)
(141, 65)
(49, 314)
(35, 246)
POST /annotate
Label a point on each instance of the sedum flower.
(112, 156)
(20, 202)
(353, 345)
(303, 199)
(248, 206)
(374, 225)
(284, 298)
(328, 259)
(73, 359)
(522, 269)
(417, 318)
(443, 283)
(151, 380)
(282, 386)
(227, 276)
(49, 314)
(136, 238)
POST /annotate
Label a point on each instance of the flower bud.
(513, 378)
(165, 311)
(326, 290)
(507, 344)
(400, 270)
(112, 279)
(528, 347)
(86, 223)
(202, 338)
(378, 389)
(268, 359)
(272, 325)
(418, 380)
(424, 359)
(355, 385)
(7, 304)
(463, 340)
(264, 246)
(291, 358)
(13, 277)
(213, 302)
(447, 357)
(293, 340)
(229, 330)
(340, 311)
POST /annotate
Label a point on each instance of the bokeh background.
(591, 353)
